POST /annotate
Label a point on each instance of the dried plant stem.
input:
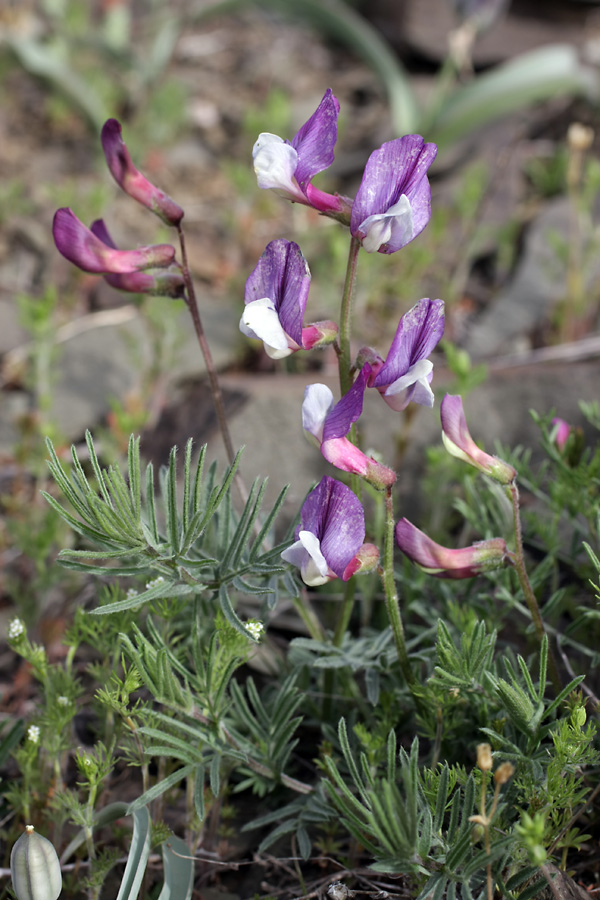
(213, 379)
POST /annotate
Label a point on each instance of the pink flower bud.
(445, 563)
(318, 334)
(131, 179)
(561, 432)
(343, 454)
(458, 441)
(365, 561)
(81, 246)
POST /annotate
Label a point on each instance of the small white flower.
(15, 629)
(131, 593)
(33, 734)
(256, 629)
(154, 582)
(62, 700)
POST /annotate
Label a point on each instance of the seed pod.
(35, 868)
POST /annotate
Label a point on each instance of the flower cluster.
(393, 203)
(146, 270)
(391, 207)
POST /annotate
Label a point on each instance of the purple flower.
(289, 167)
(393, 203)
(445, 563)
(327, 425)
(160, 284)
(131, 179)
(329, 539)
(458, 441)
(275, 298)
(406, 373)
(81, 246)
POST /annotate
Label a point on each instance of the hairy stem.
(518, 559)
(392, 602)
(344, 357)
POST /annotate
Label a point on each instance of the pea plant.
(425, 721)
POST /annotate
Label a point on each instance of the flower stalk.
(518, 561)
(345, 352)
(392, 602)
(213, 378)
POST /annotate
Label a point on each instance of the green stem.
(330, 676)
(392, 602)
(309, 617)
(344, 617)
(518, 559)
(345, 358)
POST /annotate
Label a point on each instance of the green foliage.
(202, 546)
(94, 65)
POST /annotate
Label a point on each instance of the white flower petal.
(260, 320)
(378, 229)
(318, 400)
(306, 555)
(418, 373)
(275, 163)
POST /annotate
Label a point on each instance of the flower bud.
(458, 441)
(446, 563)
(561, 431)
(484, 757)
(131, 179)
(34, 868)
(319, 334)
(504, 773)
(365, 561)
(569, 441)
(81, 246)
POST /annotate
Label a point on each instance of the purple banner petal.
(316, 139)
(335, 515)
(418, 332)
(348, 409)
(282, 275)
(396, 168)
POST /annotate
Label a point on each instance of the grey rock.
(539, 284)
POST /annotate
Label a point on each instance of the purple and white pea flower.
(275, 297)
(406, 374)
(81, 246)
(131, 180)
(393, 203)
(329, 539)
(458, 442)
(327, 423)
(288, 167)
(432, 558)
